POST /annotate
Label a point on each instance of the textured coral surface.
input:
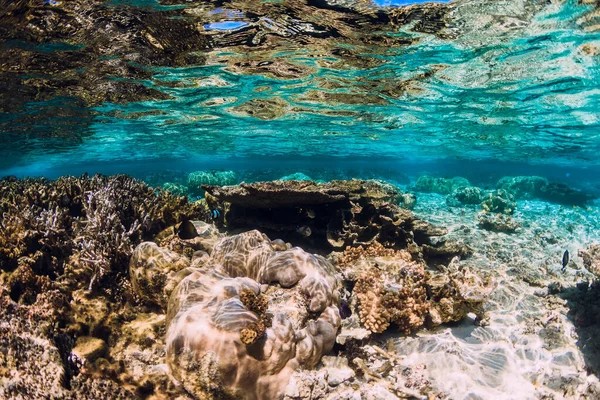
(227, 331)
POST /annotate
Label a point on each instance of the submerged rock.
(535, 187)
(464, 195)
(523, 187)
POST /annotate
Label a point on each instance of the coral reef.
(401, 299)
(75, 228)
(227, 332)
(563, 194)
(152, 271)
(464, 195)
(329, 215)
(430, 184)
(175, 188)
(530, 187)
(499, 201)
(390, 288)
(64, 254)
(297, 176)
(196, 179)
(522, 187)
(497, 222)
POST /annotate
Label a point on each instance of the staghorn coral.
(73, 230)
(226, 333)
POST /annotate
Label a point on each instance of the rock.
(563, 194)
(90, 348)
(352, 330)
(336, 376)
(408, 201)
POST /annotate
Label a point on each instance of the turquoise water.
(509, 87)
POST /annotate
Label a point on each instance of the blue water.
(514, 88)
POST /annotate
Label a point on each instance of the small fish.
(186, 230)
(215, 213)
(565, 260)
(310, 213)
(304, 231)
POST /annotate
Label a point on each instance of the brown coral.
(401, 299)
(591, 258)
(375, 249)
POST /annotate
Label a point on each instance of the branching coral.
(225, 331)
(82, 229)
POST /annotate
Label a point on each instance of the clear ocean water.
(510, 88)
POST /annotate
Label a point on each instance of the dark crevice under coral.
(329, 216)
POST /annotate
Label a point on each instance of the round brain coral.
(229, 330)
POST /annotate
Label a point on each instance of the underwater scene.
(300, 199)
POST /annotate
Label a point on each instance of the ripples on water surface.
(142, 84)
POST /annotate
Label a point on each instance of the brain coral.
(221, 338)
